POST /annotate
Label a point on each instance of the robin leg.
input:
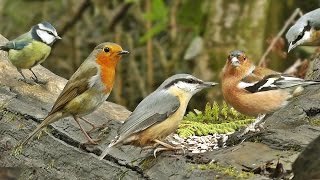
(90, 140)
(24, 78)
(166, 147)
(36, 79)
(94, 127)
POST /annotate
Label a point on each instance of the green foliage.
(214, 119)
(225, 170)
(159, 17)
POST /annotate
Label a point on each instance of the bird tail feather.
(109, 148)
(48, 120)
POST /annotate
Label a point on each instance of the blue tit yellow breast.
(32, 54)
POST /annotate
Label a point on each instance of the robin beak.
(123, 52)
(235, 62)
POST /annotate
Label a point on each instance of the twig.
(119, 15)
(274, 40)
(82, 8)
(149, 49)
(294, 67)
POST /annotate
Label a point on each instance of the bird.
(86, 89)
(158, 115)
(305, 31)
(257, 91)
(31, 48)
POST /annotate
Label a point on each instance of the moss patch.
(315, 122)
(225, 170)
(214, 119)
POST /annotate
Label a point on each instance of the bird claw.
(92, 142)
(28, 81)
(96, 128)
(168, 149)
(36, 80)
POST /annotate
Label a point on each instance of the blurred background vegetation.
(164, 37)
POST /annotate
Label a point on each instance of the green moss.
(148, 162)
(214, 119)
(50, 165)
(315, 122)
(225, 170)
(16, 151)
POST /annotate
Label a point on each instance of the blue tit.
(305, 32)
(31, 48)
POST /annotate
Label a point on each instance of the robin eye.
(106, 49)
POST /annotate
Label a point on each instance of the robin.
(87, 88)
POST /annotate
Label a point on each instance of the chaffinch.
(254, 90)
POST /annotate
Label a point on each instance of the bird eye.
(190, 81)
(106, 49)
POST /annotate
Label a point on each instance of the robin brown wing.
(77, 84)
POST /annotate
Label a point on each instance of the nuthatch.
(31, 48)
(87, 88)
(158, 115)
(305, 31)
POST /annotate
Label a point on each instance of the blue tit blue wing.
(154, 109)
(18, 43)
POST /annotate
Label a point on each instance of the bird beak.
(291, 46)
(58, 37)
(235, 62)
(123, 52)
(208, 84)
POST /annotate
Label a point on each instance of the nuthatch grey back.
(305, 31)
(31, 48)
(158, 115)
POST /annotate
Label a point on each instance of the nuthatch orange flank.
(305, 31)
(87, 88)
(158, 115)
(31, 48)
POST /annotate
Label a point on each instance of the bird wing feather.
(155, 108)
(275, 81)
(18, 43)
(77, 84)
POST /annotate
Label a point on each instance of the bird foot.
(94, 128)
(168, 149)
(92, 142)
(38, 81)
(28, 81)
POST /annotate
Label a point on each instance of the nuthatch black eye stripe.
(187, 80)
(305, 28)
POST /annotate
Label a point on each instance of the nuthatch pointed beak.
(291, 46)
(235, 62)
(58, 37)
(207, 84)
(123, 52)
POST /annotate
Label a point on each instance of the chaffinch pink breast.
(255, 90)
